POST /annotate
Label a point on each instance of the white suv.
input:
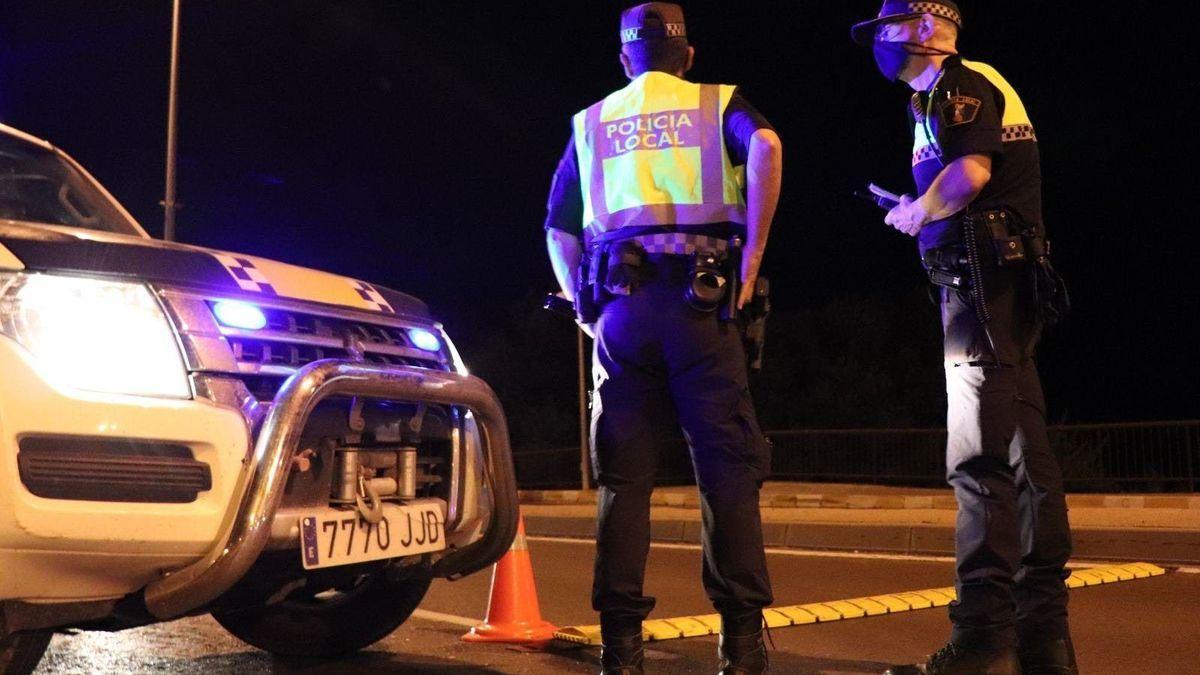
(185, 431)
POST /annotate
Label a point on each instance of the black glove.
(1050, 292)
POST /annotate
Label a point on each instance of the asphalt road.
(1143, 626)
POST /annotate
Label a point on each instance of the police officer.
(978, 223)
(657, 175)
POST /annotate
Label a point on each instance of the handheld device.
(883, 198)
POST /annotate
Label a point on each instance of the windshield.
(39, 186)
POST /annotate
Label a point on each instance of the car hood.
(74, 250)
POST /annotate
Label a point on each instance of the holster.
(622, 269)
(753, 319)
(587, 310)
(606, 270)
(995, 239)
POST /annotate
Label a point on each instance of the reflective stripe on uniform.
(924, 147)
(654, 153)
(679, 243)
(924, 154)
(1014, 109)
(1018, 132)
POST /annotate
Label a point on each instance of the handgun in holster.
(587, 310)
(754, 317)
(733, 273)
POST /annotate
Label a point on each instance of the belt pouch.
(624, 261)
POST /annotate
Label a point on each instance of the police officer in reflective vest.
(662, 182)
(978, 223)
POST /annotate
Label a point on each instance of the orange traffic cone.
(513, 615)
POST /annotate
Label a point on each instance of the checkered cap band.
(669, 30)
(679, 243)
(1018, 132)
(936, 9)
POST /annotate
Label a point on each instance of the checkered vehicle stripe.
(247, 276)
(368, 293)
(1017, 132)
(936, 9)
(924, 154)
(679, 243)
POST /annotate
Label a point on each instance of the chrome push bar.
(246, 529)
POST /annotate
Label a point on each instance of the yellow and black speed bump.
(838, 610)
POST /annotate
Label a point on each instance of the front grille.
(295, 334)
(282, 352)
(297, 323)
(292, 339)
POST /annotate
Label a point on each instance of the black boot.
(742, 654)
(954, 659)
(622, 655)
(1047, 657)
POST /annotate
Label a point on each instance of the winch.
(380, 465)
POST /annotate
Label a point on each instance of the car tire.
(21, 652)
(330, 623)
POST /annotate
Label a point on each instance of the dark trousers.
(1012, 539)
(658, 362)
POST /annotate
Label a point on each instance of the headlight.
(94, 334)
(459, 366)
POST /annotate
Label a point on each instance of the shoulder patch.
(960, 109)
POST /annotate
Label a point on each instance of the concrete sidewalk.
(840, 517)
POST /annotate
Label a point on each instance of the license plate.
(332, 537)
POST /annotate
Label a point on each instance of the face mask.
(893, 57)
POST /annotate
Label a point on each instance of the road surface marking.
(807, 553)
(810, 553)
(854, 608)
(445, 618)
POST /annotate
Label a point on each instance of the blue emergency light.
(243, 315)
(425, 340)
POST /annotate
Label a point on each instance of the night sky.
(411, 144)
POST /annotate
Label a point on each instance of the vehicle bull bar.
(246, 529)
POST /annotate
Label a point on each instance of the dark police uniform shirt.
(564, 210)
(972, 110)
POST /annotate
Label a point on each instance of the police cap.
(902, 10)
(652, 20)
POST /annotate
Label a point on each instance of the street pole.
(584, 459)
(169, 205)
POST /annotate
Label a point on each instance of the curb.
(1158, 545)
(691, 499)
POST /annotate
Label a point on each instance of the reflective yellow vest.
(653, 153)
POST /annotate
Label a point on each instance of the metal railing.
(1125, 457)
